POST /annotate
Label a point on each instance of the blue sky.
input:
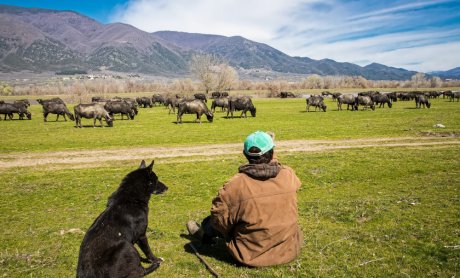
(416, 35)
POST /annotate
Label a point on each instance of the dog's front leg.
(144, 245)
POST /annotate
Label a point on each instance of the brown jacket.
(256, 212)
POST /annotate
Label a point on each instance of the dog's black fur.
(108, 248)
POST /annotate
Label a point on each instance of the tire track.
(99, 157)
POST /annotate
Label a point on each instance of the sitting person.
(256, 210)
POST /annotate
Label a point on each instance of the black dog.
(108, 248)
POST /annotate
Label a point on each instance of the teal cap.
(258, 139)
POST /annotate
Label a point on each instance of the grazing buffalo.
(326, 94)
(99, 99)
(447, 94)
(56, 99)
(392, 96)
(58, 108)
(381, 99)
(219, 102)
(197, 107)
(144, 102)
(24, 102)
(8, 109)
(316, 101)
(348, 100)
(172, 103)
(120, 107)
(365, 101)
(243, 104)
(215, 95)
(455, 95)
(420, 100)
(286, 95)
(335, 96)
(158, 99)
(94, 111)
(219, 94)
(201, 97)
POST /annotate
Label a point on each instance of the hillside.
(47, 40)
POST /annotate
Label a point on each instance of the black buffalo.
(382, 99)
(365, 101)
(158, 99)
(317, 102)
(420, 100)
(197, 107)
(173, 102)
(58, 108)
(287, 95)
(56, 99)
(8, 109)
(108, 250)
(24, 102)
(201, 97)
(144, 102)
(348, 100)
(221, 102)
(98, 99)
(120, 107)
(243, 104)
(94, 111)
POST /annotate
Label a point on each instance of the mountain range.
(42, 40)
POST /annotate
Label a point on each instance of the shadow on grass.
(191, 122)
(217, 250)
(236, 117)
(313, 111)
(97, 126)
(59, 121)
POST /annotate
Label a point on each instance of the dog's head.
(154, 185)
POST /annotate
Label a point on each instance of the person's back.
(258, 218)
(256, 210)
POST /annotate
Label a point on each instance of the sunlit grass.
(373, 212)
(286, 117)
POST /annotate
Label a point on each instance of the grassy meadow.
(287, 117)
(373, 212)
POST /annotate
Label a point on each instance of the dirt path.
(94, 158)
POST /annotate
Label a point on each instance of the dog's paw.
(158, 260)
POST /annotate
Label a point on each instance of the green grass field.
(287, 117)
(373, 212)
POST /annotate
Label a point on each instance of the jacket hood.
(261, 171)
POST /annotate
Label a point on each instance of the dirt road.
(95, 158)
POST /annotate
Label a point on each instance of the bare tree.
(201, 67)
(418, 80)
(212, 72)
(435, 82)
(225, 77)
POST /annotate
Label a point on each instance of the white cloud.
(254, 19)
(343, 31)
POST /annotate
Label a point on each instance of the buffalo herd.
(102, 108)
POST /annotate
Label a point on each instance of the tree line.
(212, 73)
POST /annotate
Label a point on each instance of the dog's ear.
(151, 165)
(142, 166)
